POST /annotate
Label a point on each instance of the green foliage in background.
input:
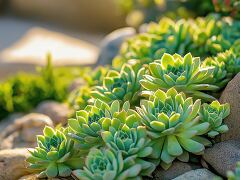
(24, 91)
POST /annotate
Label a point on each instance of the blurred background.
(73, 30)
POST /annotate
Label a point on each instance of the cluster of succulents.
(202, 37)
(158, 107)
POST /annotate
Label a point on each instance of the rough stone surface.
(22, 132)
(223, 156)
(111, 44)
(198, 174)
(175, 170)
(13, 164)
(58, 112)
(231, 95)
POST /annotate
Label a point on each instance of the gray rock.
(198, 174)
(111, 44)
(13, 164)
(223, 156)
(22, 132)
(231, 95)
(175, 170)
(58, 112)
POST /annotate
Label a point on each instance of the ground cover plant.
(22, 92)
(155, 104)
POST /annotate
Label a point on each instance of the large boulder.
(231, 95)
(178, 168)
(111, 44)
(13, 164)
(198, 174)
(58, 112)
(223, 156)
(22, 132)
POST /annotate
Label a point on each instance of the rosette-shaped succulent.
(214, 114)
(173, 124)
(55, 155)
(90, 122)
(103, 164)
(183, 73)
(130, 141)
(234, 175)
(123, 86)
(226, 65)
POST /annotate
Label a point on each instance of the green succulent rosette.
(214, 114)
(173, 124)
(234, 175)
(226, 66)
(103, 164)
(185, 74)
(55, 155)
(123, 86)
(90, 122)
(131, 141)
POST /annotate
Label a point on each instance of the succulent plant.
(173, 124)
(90, 122)
(80, 98)
(55, 155)
(214, 114)
(96, 76)
(234, 175)
(123, 86)
(226, 66)
(183, 73)
(130, 141)
(103, 164)
(202, 37)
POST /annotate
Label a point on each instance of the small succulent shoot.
(130, 141)
(123, 86)
(90, 122)
(183, 73)
(234, 175)
(173, 124)
(80, 98)
(214, 114)
(54, 155)
(103, 164)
